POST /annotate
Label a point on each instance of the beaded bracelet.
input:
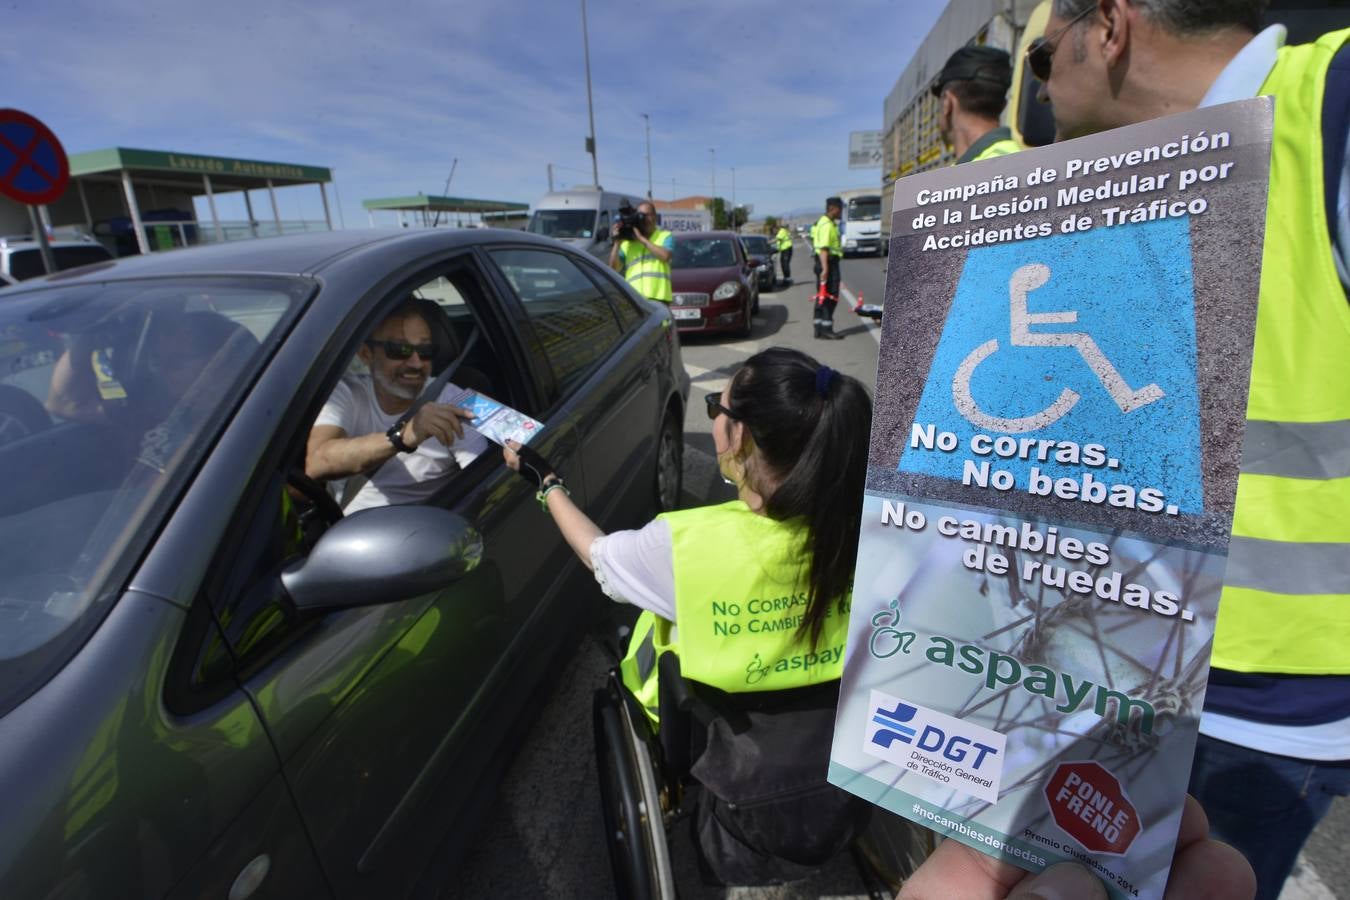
(542, 495)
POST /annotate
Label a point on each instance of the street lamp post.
(735, 225)
(647, 125)
(590, 109)
(712, 200)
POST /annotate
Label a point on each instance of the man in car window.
(357, 435)
(642, 254)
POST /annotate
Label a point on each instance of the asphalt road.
(546, 838)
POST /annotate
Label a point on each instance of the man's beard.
(394, 387)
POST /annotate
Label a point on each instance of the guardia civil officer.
(1274, 746)
(783, 240)
(972, 89)
(829, 253)
(791, 435)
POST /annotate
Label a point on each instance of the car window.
(625, 305)
(563, 223)
(704, 253)
(288, 518)
(27, 263)
(572, 319)
(110, 395)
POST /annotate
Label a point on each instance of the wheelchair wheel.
(631, 802)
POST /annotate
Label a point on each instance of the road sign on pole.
(864, 149)
(33, 165)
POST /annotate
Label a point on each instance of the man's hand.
(614, 231)
(441, 421)
(1202, 869)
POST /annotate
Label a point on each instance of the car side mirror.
(383, 555)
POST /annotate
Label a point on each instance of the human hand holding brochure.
(496, 421)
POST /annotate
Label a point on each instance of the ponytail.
(811, 425)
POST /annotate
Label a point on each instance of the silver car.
(212, 682)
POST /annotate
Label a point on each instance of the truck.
(860, 225)
(580, 217)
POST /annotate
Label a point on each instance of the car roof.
(300, 254)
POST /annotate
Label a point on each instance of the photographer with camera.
(641, 251)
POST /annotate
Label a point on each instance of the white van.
(580, 217)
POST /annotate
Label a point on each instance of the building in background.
(139, 201)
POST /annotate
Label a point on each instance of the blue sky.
(388, 94)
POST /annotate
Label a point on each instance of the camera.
(630, 221)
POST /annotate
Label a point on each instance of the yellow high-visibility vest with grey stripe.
(648, 274)
(998, 148)
(740, 593)
(1286, 599)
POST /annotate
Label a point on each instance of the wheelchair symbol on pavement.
(1025, 280)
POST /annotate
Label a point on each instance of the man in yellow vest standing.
(829, 253)
(641, 253)
(973, 90)
(1274, 746)
(784, 242)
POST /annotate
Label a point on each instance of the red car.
(713, 283)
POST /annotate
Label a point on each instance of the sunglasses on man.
(404, 350)
(1041, 52)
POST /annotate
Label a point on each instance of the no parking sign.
(33, 165)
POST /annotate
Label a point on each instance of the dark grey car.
(212, 683)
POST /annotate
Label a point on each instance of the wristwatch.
(395, 435)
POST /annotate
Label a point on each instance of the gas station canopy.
(424, 205)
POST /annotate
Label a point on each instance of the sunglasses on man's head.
(715, 407)
(1041, 52)
(403, 349)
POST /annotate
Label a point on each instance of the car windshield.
(704, 253)
(756, 245)
(864, 209)
(110, 395)
(563, 223)
(27, 263)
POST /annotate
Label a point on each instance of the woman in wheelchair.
(750, 598)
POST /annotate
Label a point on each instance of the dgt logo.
(953, 752)
(892, 722)
(955, 747)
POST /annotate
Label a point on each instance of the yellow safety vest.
(998, 148)
(784, 239)
(644, 271)
(740, 593)
(1286, 599)
(825, 236)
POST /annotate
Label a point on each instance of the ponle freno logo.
(950, 751)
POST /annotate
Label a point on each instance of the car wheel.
(20, 414)
(669, 463)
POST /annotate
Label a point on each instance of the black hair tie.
(824, 378)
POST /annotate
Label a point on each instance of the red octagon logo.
(1088, 802)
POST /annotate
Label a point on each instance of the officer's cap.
(976, 64)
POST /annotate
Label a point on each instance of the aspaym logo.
(932, 745)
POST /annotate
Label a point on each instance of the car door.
(388, 717)
(605, 368)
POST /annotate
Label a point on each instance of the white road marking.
(1303, 883)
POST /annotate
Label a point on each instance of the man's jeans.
(1264, 805)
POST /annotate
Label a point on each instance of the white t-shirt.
(407, 477)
